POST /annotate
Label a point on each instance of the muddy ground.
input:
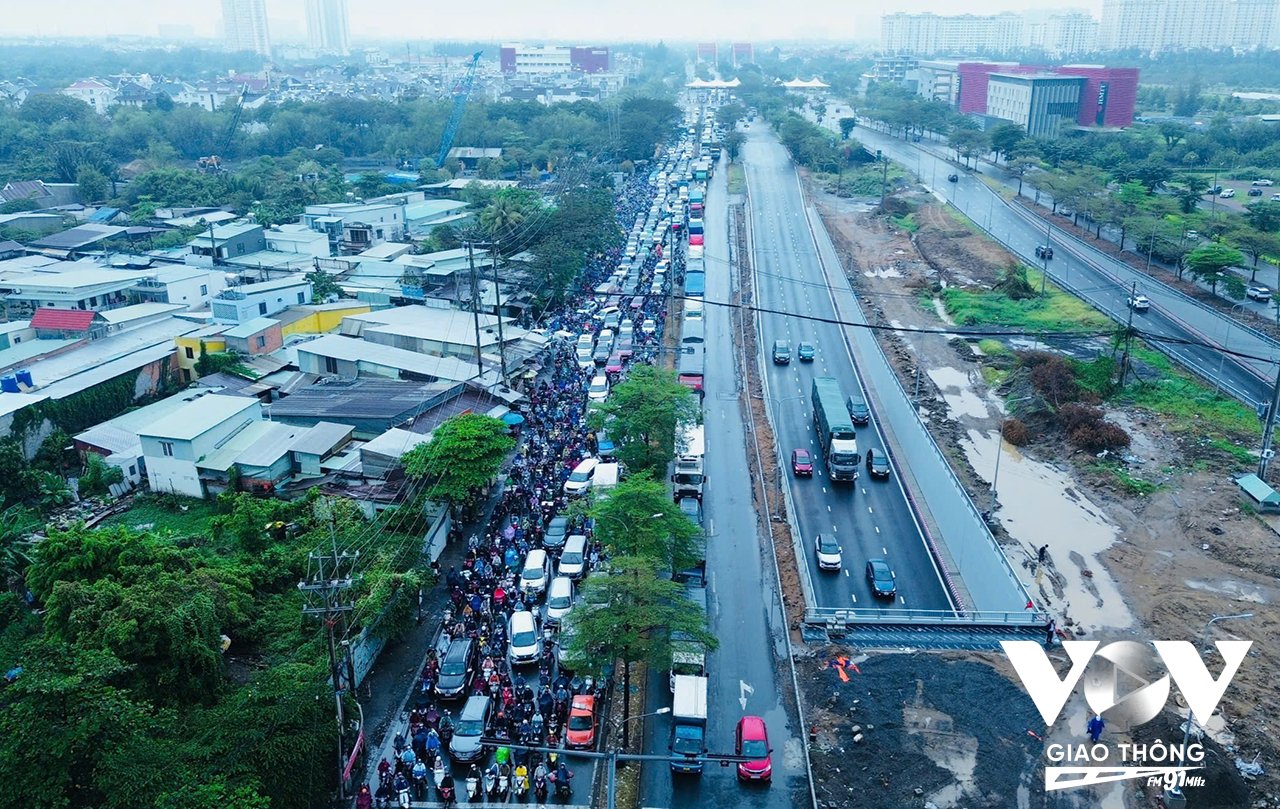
(1120, 565)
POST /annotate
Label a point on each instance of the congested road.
(871, 519)
(744, 611)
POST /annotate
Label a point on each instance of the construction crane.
(460, 94)
(213, 163)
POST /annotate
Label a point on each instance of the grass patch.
(1055, 311)
(1239, 454)
(1121, 477)
(167, 513)
(737, 179)
(907, 222)
(994, 377)
(964, 221)
(1193, 405)
(992, 347)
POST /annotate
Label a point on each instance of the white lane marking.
(870, 510)
(885, 551)
(877, 529)
(854, 596)
(846, 573)
(828, 508)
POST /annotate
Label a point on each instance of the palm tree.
(501, 217)
(16, 523)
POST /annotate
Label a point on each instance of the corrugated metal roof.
(62, 319)
(1256, 488)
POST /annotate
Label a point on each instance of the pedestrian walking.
(1096, 726)
(1050, 631)
(1043, 554)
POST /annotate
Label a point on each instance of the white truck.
(688, 477)
(688, 723)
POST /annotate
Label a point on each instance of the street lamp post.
(1000, 451)
(612, 785)
(1186, 730)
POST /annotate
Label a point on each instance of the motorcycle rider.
(420, 778)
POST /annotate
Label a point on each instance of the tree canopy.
(643, 413)
(463, 455)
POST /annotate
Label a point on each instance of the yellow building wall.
(212, 344)
(323, 321)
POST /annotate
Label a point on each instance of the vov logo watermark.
(1125, 682)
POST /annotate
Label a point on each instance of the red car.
(614, 365)
(801, 463)
(581, 732)
(695, 238)
(752, 742)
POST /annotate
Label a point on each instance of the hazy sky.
(585, 20)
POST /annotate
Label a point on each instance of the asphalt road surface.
(870, 519)
(744, 610)
(1100, 279)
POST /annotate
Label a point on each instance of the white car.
(580, 479)
(1258, 292)
(523, 633)
(1139, 303)
(1227, 193)
(598, 390)
(586, 357)
(559, 599)
(828, 552)
(533, 579)
(649, 326)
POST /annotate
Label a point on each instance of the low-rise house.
(66, 285)
(173, 446)
(258, 336)
(349, 358)
(229, 241)
(248, 301)
(295, 238)
(98, 95)
(380, 457)
(190, 287)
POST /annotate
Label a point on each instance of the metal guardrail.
(827, 616)
(978, 559)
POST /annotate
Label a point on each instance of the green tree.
(630, 616)
(323, 285)
(1020, 166)
(1005, 137)
(643, 412)
(1264, 216)
(502, 217)
(729, 114)
(638, 518)
(1210, 262)
(99, 476)
(16, 526)
(847, 126)
(462, 456)
(93, 184)
(1187, 191)
(18, 481)
(969, 144)
(733, 144)
(1256, 245)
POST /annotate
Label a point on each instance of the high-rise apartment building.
(927, 34)
(327, 27)
(1160, 25)
(245, 24)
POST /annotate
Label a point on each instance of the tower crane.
(460, 94)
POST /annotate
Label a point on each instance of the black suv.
(456, 667)
(1044, 251)
(781, 352)
(858, 411)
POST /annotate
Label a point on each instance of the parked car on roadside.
(1258, 292)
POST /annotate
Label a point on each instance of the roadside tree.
(630, 615)
(639, 518)
(644, 411)
(462, 457)
(1210, 262)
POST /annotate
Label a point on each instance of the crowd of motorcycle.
(531, 706)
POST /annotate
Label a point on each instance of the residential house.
(432, 331)
(132, 94)
(208, 339)
(192, 287)
(470, 156)
(294, 238)
(317, 445)
(348, 358)
(71, 243)
(229, 241)
(68, 285)
(173, 446)
(245, 302)
(258, 336)
(96, 94)
(380, 457)
(353, 227)
(422, 218)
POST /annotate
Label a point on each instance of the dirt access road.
(1144, 566)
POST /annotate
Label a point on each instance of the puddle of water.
(1237, 590)
(942, 312)
(884, 272)
(957, 389)
(1039, 505)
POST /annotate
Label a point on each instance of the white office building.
(327, 27)
(926, 34)
(245, 25)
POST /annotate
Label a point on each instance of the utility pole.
(1048, 245)
(213, 246)
(497, 308)
(1128, 336)
(329, 577)
(1268, 432)
(884, 176)
(475, 303)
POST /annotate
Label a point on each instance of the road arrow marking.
(743, 690)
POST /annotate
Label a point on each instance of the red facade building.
(1108, 99)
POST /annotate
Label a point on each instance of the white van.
(693, 308)
(559, 599)
(533, 579)
(580, 479)
(598, 390)
(573, 559)
(523, 633)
